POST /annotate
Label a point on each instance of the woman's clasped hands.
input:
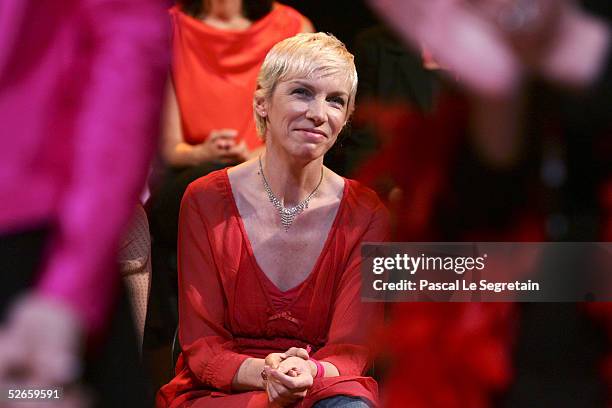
(288, 376)
(221, 146)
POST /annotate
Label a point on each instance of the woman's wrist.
(184, 154)
(248, 376)
(201, 153)
(313, 368)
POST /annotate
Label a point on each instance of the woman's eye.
(300, 91)
(337, 100)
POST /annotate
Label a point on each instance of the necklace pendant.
(287, 220)
(287, 214)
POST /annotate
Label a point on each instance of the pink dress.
(81, 85)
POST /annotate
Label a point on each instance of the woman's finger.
(298, 352)
(279, 396)
(223, 143)
(299, 383)
(271, 391)
(274, 359)
(222, 133)
(238, 150)
(284, 396)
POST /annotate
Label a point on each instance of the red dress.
(215, 71)
(229, 310)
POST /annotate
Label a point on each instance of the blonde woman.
(269, 252)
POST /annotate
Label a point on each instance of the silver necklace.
(287, 214)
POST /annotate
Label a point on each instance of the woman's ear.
(261, 103)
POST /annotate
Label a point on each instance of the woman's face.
(305, 115)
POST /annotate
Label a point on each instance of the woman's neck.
(225, 14)
(290, 181)
(223, 9)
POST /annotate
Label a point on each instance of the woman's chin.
(308, 152)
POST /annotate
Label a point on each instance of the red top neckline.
(265, 279)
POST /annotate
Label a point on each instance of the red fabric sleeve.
(115, 130)
(352, 318)
(207, 344)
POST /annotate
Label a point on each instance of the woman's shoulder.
(362, 196)
(180, 20)
(356, 194)
(287, 17)
(289, 13)
(176, 13)
(368, 210)
(209, 188)
(285, 10)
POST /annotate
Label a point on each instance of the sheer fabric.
(230, 310)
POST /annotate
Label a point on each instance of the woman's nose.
(316, 111)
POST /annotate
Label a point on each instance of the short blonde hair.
(304, 55)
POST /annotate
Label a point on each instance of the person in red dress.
(269, 252)
(218, 47)
(217, 50)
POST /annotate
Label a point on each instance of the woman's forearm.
(330, 369)
(184, 155)
(248, 376)
(175, 151)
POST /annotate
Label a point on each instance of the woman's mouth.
(313, 134)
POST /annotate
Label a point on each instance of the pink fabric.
(80, 91)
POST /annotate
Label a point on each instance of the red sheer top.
(230, 310)
(215, 71)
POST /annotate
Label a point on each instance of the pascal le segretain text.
(457, 285)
